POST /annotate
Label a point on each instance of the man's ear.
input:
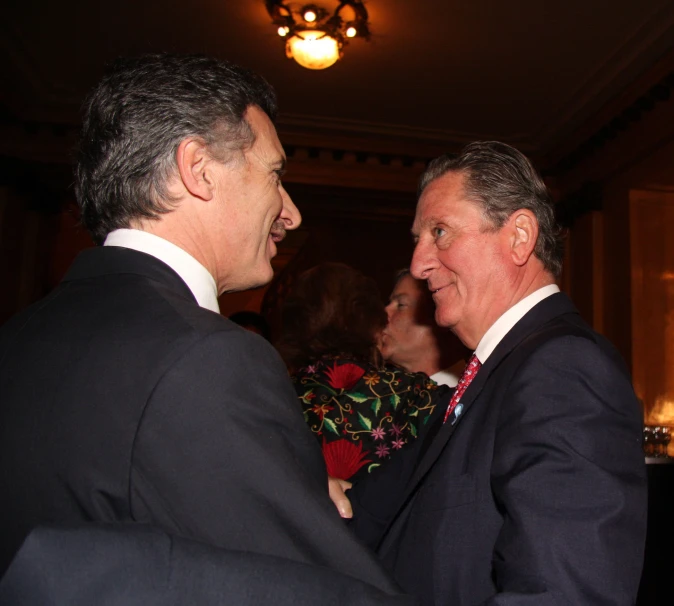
(523, 230)
(194, 164)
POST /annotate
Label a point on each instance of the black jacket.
(536, 493)
(122, 400)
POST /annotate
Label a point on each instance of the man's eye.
(438, 232)
(279, 174)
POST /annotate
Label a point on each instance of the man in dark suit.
(135, 565)
(530, 488)
(124, 395)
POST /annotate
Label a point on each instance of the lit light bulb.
(310, 16)
(283, 30)
(313, 49)
(351, 32)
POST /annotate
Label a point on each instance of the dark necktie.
(468, 374)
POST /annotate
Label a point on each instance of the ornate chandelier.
(314, 37)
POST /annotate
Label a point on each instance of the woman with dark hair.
(361, 411)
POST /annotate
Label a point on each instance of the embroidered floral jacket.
(363, 415)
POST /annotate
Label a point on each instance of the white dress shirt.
(450, 376)
(193, 273)
(502, 326)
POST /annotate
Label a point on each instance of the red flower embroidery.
(343, 458)
(344, 376)
(321, 410)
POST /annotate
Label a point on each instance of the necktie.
(468, 374)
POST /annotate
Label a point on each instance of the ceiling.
(441, 72)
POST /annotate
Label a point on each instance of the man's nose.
(422, 261)
(289, 213)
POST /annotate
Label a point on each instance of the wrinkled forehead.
(264, 132)
(445, 201)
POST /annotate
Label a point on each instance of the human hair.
(502, 180)
(252, 320)
(135, 119)
(331, 309)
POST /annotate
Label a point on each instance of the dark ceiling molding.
(632, 114)
(361, 157)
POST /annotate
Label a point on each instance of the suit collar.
(542, 313)
(198, 279)
(509, 319)
(114, 260)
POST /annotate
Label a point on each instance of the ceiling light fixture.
(314, 37)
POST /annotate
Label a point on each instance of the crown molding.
(359, 136)
(653, 38)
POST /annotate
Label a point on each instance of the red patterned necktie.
(468, 375)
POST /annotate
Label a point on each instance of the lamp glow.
(314, 36)
(313, 49)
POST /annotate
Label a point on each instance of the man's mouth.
(278, 231)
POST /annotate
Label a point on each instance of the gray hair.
(135, 119)
(502, 180)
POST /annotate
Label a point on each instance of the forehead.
(266, 142)
(444, 200)
(408, 286)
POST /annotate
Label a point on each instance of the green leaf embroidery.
(413, 430)
(371, 467)
(414, 413)
(395, 400)
(364, 421)
(358, 397)
(330, 425)
(376, 406)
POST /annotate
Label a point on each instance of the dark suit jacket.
(539, 497)
(122, 400)
(134, 565)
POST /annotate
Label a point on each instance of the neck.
(430, 362)
(521, 285)
(179, 228)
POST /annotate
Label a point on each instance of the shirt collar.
(194, 274)
(449, 376)
(502, 326)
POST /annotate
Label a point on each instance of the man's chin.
(252, 280)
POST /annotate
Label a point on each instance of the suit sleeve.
(223, 455)
(568, 476)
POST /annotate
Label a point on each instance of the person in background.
(252, 321)
(124, 395)
(361, 412)
(411, 338)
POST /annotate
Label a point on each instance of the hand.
(337, 489)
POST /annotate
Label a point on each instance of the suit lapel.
(545, 311)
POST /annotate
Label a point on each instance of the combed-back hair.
(331, 309)
(135, 119)
(502, 180)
